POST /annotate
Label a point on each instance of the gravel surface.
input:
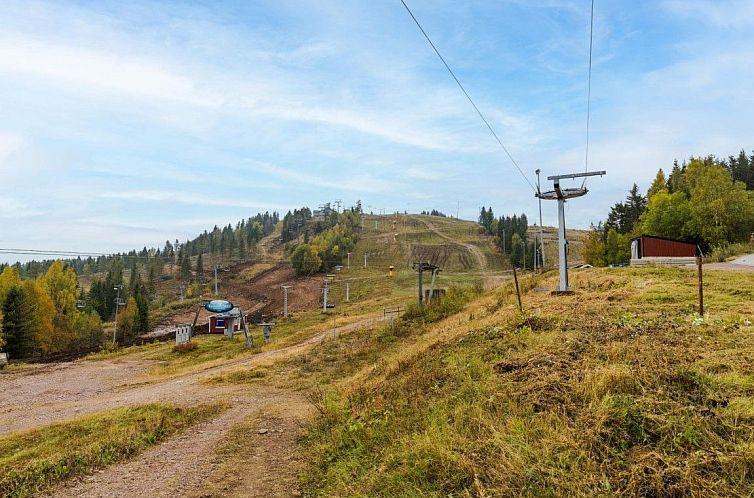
(45, 394)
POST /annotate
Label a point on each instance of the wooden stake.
(701, 286)
(518, 292)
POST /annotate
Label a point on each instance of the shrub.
(186, 347)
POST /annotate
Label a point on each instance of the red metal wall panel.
(652, 247)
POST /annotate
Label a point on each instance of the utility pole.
(503, 240)
(420, 268)
(117, 304)
(432, 285)
(285, 300)
(324, 297)
(215, 279)
(561, 194)
(541, 229)
(523, 244)
(337, 203)
(348, 292)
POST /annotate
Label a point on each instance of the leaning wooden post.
(518, 292)
(701, 285)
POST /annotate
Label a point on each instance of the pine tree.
(199, 269)
(18, 323)
(659, 183)
(185, 271)
(141, 324)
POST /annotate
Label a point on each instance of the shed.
(218, 323)
(649, 249)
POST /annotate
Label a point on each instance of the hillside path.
(474, 250)
(742, 263)
(59, 392)
(182, 465)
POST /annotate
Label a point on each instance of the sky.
(125, 124)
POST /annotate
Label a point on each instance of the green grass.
(580, 398)
(34, 460)
(210, 349)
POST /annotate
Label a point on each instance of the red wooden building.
(649, 249)
(219, 322)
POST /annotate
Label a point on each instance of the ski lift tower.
(561, 195)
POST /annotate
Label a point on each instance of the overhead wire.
(460, 85)
(589, 94)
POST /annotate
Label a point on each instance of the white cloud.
(9, 143)
(103, 70)
(721, 13)
(216, 197)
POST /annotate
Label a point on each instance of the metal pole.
(562, 246)
(285, 301)
(117, 303)
(541, 230)
(503, 240)
(215, 279)
(701, 286)
(432, 287)
(324, 300)
(348, 292)
(518, 292)
(349, 260)
(365, 260)
(421, 291)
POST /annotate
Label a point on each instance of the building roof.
(664, 238)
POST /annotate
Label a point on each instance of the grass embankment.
(618, 390)
(210, 350)
(341, 355)
(33, 460)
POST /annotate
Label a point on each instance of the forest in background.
(45, 310)
(706, 201)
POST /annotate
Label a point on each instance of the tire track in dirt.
(180, 465)
(474, 250)
(56, 393)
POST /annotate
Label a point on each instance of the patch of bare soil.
(180, 466)
(471, 248)
(261, 295)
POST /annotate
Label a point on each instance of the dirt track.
(474, 250)
(177, 467)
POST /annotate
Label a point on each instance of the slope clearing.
(618, 390)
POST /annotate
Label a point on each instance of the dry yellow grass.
(619, 389)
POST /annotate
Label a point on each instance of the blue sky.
(129, 123)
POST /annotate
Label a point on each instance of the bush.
(186, 347)
(451, 303)
(723, 252)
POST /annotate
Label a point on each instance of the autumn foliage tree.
(40, 316)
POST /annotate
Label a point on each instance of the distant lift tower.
(561, 195)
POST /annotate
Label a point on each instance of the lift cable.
(458, 82)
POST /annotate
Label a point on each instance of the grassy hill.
(620, 389)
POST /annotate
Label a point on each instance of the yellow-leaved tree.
(46, 338)
(60, 282)
(127, 320)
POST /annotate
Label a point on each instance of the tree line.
(42, 316)
(510, 235)
(706, 201)
(330, 246)
(223, 244)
